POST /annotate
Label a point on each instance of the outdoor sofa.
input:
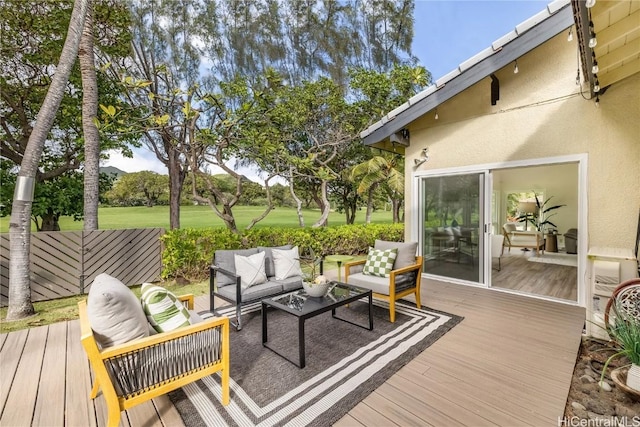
(226, 283)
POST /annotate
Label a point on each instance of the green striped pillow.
(164, 311)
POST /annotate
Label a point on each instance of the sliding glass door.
(452, 216)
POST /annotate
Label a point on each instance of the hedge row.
(188, 252)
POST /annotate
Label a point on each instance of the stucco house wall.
(541, 113)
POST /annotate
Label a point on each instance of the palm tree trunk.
(20, 305)
(395, 203)
(90, 131)
(369, 204)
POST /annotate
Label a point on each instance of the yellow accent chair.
(403, 280)
(138, 370)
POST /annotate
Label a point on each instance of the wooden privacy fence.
(64, 263)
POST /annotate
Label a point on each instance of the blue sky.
(446, 33)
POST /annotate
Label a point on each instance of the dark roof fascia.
(523, 44)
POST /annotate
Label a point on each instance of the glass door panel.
(453, 226)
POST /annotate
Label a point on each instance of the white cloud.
(143, 160)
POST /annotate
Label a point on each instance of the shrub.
(188, 252)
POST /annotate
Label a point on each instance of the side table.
(339, 259)
(551, 243)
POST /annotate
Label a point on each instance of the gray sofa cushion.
(290, 283)
(406, 252)
(269, 268)
(255, 292)
(376, 284)
(225, 259)
(380, 285)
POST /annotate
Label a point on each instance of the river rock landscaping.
(606, 405)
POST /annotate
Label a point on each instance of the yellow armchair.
(400, 283)
(139, 370)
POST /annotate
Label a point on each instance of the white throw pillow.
(250, 269)
(114, 312)
(286, 263)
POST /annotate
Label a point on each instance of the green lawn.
(158, 216)
(202, 217)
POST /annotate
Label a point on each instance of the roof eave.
(509, 52)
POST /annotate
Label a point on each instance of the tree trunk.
(268, 208)
(324, 218)
(89, 129)
(296, 198)
(395, 206)
(228, 219)
(50, 222)
(20, 305)
(369, 204)
(350, 209)
(177, 174)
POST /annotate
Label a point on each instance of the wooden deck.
(508, 363)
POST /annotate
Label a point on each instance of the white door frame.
(416, 233)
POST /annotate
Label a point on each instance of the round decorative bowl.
(316, 289)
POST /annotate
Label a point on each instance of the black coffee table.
(304, 307)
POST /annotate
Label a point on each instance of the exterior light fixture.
(436, 117)
(596, 86)
(424, 154)
(515, 68)
(592, 41)
(570, 36)
(590, 3)
(595, 67)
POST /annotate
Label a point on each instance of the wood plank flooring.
(519, 274)
(509, 362)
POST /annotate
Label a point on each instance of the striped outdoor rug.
(344, 364)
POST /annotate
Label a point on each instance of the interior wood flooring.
(516, 273)
(519, 274)
(509, 362)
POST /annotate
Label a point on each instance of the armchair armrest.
(187, 300)
(406, 269)
(164, 337)
(353, 267)
(212, 270)
(417, 268)
(156, 364)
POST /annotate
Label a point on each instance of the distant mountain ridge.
(112, 170)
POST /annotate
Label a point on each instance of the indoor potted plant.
(625, 334)
(540, 219)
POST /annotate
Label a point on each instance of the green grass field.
(203, 217)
